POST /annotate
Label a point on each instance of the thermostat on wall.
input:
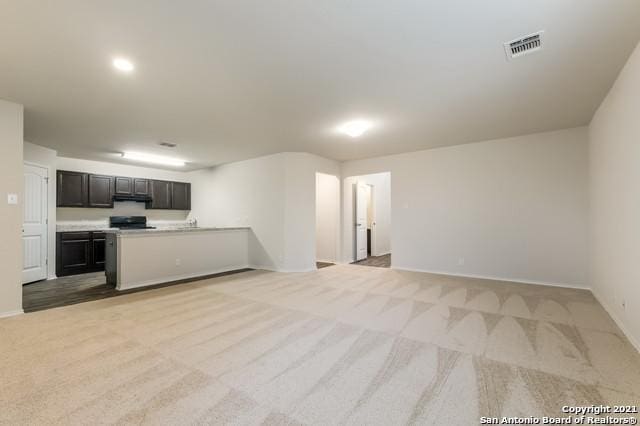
(12, 198)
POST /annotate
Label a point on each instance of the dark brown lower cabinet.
(98, 241)
(79, 252)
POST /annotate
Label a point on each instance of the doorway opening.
(327, 219)
(371, 234)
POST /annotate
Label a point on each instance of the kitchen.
(110, 217)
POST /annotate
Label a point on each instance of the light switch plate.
(12, 198)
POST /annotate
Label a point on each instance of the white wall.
(179, 255)
(275, 196)
(381, 183)
(11, 182)
(300, 208)
(46, 157)
(327, 217)
(245, 193)
(514, 209)
(614, 135)
(68, 214)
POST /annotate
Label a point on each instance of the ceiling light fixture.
(355, 128)
(122, 64)
(154, 159)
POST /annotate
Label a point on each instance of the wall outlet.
(178, 261)
(461, 261)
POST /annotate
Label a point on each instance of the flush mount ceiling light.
(122, 64)
(355, 128)
(154, 159)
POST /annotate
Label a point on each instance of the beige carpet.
(344, 345)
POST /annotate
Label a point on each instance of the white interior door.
(361, 220)
(34, 228)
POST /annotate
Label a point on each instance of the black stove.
(129, 222)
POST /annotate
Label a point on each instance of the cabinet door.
(140, 186)
(123, 186)
(160, 195)
(71, 189)
(73, 255)
(181, 196)
(98, 240)
(100, 191)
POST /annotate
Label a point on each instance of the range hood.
(136, 198)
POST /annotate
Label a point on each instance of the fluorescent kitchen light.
(155, 159)
(355, 128)
(122, 64)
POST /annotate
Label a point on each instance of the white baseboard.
(493, 278)
(11, 313)
(272, 269)
(263, 268)
(164, 280)
(617, 320)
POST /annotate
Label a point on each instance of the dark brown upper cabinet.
(160, 195)
(101, 191)
(71, 189)
(77, 189)
(140, 186)
(123, 186)
(180, 196)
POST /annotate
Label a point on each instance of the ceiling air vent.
(524, 45)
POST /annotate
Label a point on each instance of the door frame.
(382, 196)
(51, 230)
(373, 249)
(355, 220)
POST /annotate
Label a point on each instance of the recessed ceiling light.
(122, 64)
(154, 159)
(355, 128)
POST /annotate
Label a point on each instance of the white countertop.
(126, 232)
(157, 230)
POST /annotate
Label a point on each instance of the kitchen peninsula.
(144, 257)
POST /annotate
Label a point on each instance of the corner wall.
(275, 196)
(245, 193)
(300, 208)
(11, 182)
(614, 136)
(512, 209)
(327, 218)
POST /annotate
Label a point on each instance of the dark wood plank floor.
(84, 288)
(383, 261)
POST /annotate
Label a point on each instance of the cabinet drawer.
(74, 236)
